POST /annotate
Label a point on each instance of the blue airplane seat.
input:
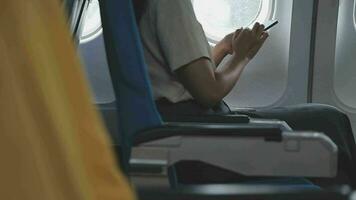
(139, 121)
(134, 101)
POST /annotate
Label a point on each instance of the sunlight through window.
(220, 17)
(92, 22)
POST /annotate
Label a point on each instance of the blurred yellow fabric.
(52, 142)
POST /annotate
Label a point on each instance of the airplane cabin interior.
(180, 99)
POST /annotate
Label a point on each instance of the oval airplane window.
(92, 22)
(221, 17)
(345, 73)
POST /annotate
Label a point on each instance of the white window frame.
(92, 35)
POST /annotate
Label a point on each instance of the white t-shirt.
(172, 37)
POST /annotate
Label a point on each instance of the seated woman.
(186, 80)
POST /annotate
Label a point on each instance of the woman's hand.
(246, 43)
(223, 48)
(226, 42)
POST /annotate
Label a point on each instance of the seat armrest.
(270, 132)
(239, 110)
(244, 192)
(235, 118)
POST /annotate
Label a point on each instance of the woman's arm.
(209, 85)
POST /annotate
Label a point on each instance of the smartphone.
(269, 24)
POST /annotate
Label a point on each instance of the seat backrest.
(136, 108)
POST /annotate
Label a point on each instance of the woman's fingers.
(264, 36)
(237, 33)
(255, 48)
(247, 42)
(262, 40)
(241, 33)
(256, 27)
(260, 30)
